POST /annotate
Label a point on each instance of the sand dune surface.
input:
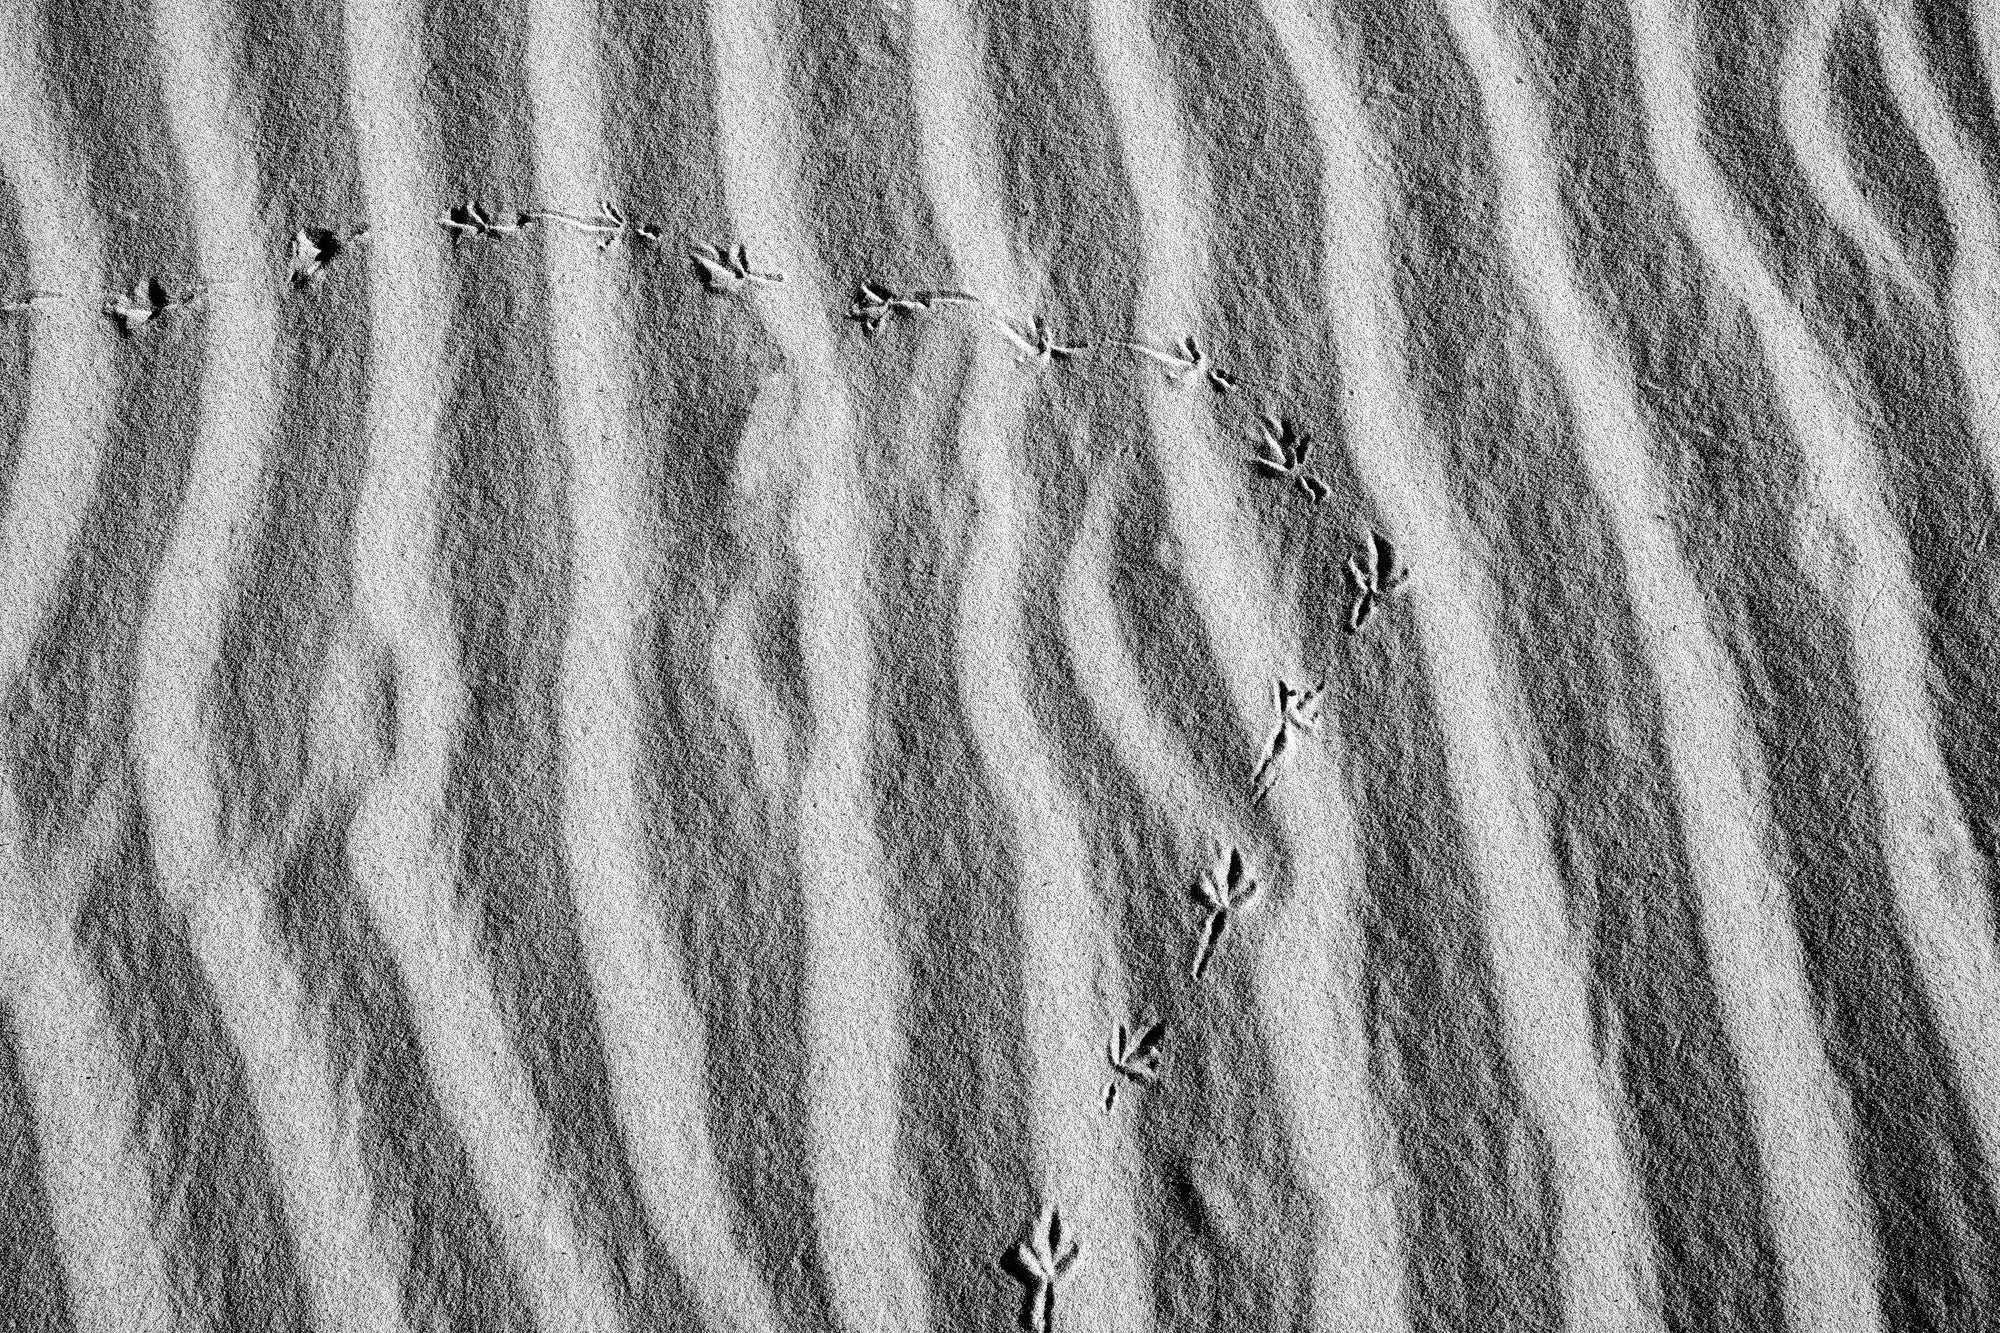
(941, 664)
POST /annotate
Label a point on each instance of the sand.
(943, 665)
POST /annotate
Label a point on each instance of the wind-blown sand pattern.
(570, 766)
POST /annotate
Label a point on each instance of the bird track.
(1298, 714)
(1036, 344)
(1228, 888)
(1185, 362)
(1372, 576)
(876, 303)
(1288, 450)
(1135, 1056)
(725, 272)
(1040, 1263)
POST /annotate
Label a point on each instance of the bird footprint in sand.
(876, 303)
(148, 300)
(1288, 449)
(1228, 888)
(1185, 361)
(1036, 344)
(1135, 1055)
(1298, 714)
(608, 225)
(313, 248)
(1039, 1264)
(1372, 577)
(471, 221)
(725, 271)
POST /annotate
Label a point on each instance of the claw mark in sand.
(608, 224)
(313, 248)
(27, 301)
(725, 271)
(1289, 448)
(472, 222)
(1036, 344)
(1298, 713)
(1373, 579)
(1228, 888)
(1135, 1054)
(876, 303)
(1039, 1264)
(1184, 362)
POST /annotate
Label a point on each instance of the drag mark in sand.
(653, 1039)
(1306, 969)
(609, 225)
(221, 894)
(1034, 343)
(1845, 530)
(855, 981)
(1541, 983)
(471, 222)
(404, 842)
(875, 303)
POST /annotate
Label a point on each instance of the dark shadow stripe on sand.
(1220, 1207)
(458, 1278)
(1203, 1209)
(504, 534)
(859, 166)
(107, 101)
(215, 1193)
(1891, 169)
(953, 874)
(69, 713)
(1240, 102)
(1064, 180)
(1919, 1157)
(1941, 491)
(1949, 34)
(1739, 70)
(1480, 1204)
(32, 1285)
(1482, 1211)
(1250, 126)
(1915, 1155)
(1617, 839)
(1074, 213)
(1251, 133)
(728, 842)
(296, 577)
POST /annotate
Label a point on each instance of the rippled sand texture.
(559, 773)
